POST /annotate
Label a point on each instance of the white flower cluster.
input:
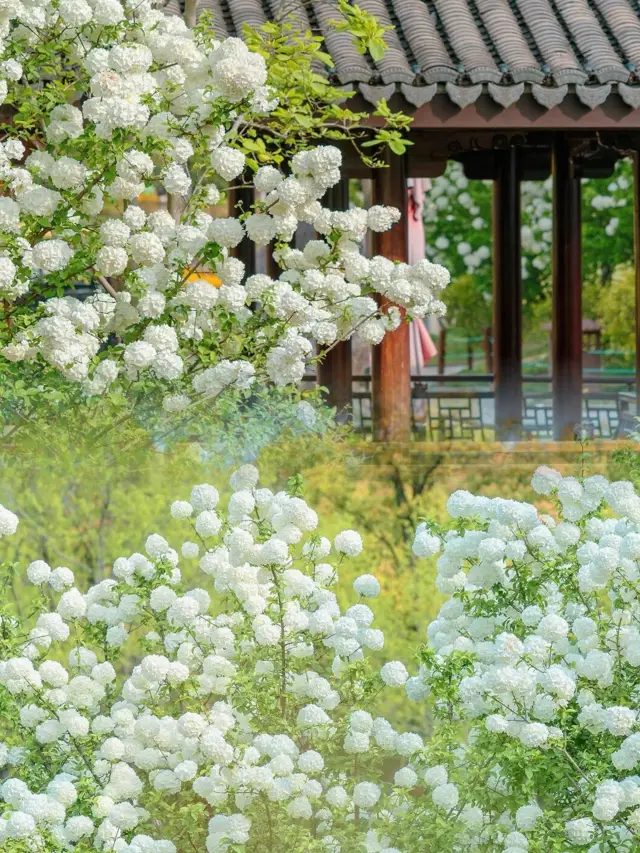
(539, 648)
(453, 191)
(160, 103)
(242, 702)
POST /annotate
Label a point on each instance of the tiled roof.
(467, 47)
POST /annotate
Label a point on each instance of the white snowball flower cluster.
(141, 716)
(154, 101)
(536, 654)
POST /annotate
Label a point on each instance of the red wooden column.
(636, 251)
(335, 371)
(566, 343)
(507, 296)
(391, 369)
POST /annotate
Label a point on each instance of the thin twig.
(108, 287)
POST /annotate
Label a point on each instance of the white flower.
(181, 509)
(208, 523)
(146, 249)
(425, 544)
(204, 497)
(68, 174)
(367, 586)
(8, 284)
(75, 13)
(245, 477)
(72, 605)
(580, 831)
(527, 816)
(52, 255)
(381, 218)
(227, 162)
(394, 673)
(38, 572)
(176, 180)
(406, 777)
(139, 354)
(446, 796)
(20, 825)
(237, 72)
(266, 178)
(349, 543)
(111, 260)
(366, 794)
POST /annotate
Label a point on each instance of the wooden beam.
(507, 296)
(636, 251)
(335, 371)
(566, 344)
(526, 113)
(391, 370)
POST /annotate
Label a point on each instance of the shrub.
(536, 656)
(143, 717)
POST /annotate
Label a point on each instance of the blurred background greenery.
(457, 216)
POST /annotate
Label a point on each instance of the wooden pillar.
(273, 267)
(442, 351)
(566, 343)
(241, 201)
(390, 362)
(636, 249)
(487, 344)
(507, 296)
(335, 371)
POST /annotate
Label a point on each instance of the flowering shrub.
(103, 97)
(536, 654)
(146, 717)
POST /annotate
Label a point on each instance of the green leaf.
(377, 48)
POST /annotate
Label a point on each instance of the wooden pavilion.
(514, 90)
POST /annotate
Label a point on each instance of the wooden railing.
(461, 407)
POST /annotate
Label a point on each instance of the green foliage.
(367, 32)
(616, 311)
(310, 106)
(607, 228)
(468, 304)
(458, 229)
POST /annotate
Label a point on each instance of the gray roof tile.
(394, 66)
(600, 57)
(587, 47)
(624, 25)
(465, 38)
(426, 44)
(505, 33)
(246, 12)
(552, 42)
